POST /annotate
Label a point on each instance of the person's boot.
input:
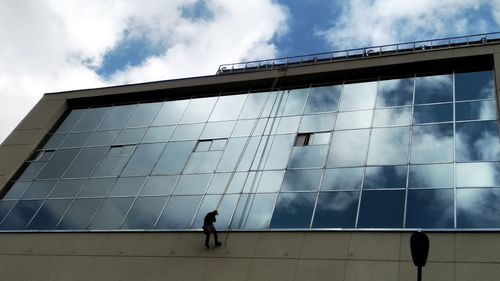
(218, 244)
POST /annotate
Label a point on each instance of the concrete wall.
(253, 256)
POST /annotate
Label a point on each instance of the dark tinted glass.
(32, 170)
(91, 119)
(130, 136)
(382, 209)
(49, 214)
(143, 115)
(39, 189)
(102, 138)
(143, 160)
(323, 99)
(433, 113)
(336, 210)
(474, 85)
(192, 184)
(97, 187)
(111, 213)
(79, 214)
(70, 121)
(85, 162)
(58, 163)
(430, 208)
(159, 185)
(254, 211)
(395, 92)
(438, 175)
(21, 214)
(17, 190)
(75, 140)
(293, 210)
(476, 110)
(5, 207)
(179, 212)
(144, 213)
(478, 208)
(116, 117)
(430, 89)
(67, 188)
(385, 177)
(127, 186)
(174, 158)
(170, 113)
(477, 141)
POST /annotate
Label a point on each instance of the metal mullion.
(454, 155)
(410, 145)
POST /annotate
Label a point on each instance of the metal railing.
(350, 54)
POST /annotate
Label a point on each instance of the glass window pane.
(345, 178)
(218, 144)
(226, 209)
(70, 121)
(67, 188)
(174, 157)
(143, 115)
(301, 180)
(268, 181)
(49, 215)
(354, 120)
(478, 174)
(97, 187)
(382, 209)
(5, 207)
(392, 117)
(192, 184)
(158, 134)
(323, 99)
(227, 108)
(476, 110)
(144, 213)
(85, 162)
(293, 210)
(17, 190)
(251, 156)
(21, 214)
(430, 89)
(111, 165)
(433, 113)
(75, 140)
(478, 208)
(217, 130)
(179, 212)
(277, 156)
(32, 171)
(389, 146)
(348, 148)
(170, 113)
(295, 101)
(130, 136)
(219, 183)
(437, 175)
(395, 92)
(243, 128)
(317, 123)
(143, 160)
(198, 110)
(102, 138)
(474, 85)
(111, 213)
(358, 96)
(336, 210)
(432, 143)
(385, 177)
(39, 189)
(91, 119)
(159, 185)
(308, 156)
(203, 162)
(477, 141)
(432, 208)
(231, 154)
(254, 211)
(127, 186)
(241, 182)
(286, 125)
(253, 105)
(320, 138)
(54, 141)
(79, 214)
(116, 117)
(187, 132)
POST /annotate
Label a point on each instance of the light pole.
(419, 244)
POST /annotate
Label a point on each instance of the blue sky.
(58, 45)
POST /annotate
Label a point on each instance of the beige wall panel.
(227, 269)
(272, 270)
(9, 266)
(105, 268)
(441, 246)
(156, 244)
(53, 244)
(43, 115)
(143, 269)
(375, 246)
(192, 269)
(189, 245)
(477, 247)
(20, 243)
(326, 245)
(237, 244)
(371, 271)
(36, 268)
(3, 181)
(23, 137)
(119, 244)
(320, 270)
(11, 157)
(279, 245)
(86, 243)
(478, 271)
(432, 271)
(480, 50)
(70, 268)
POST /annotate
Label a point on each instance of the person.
(209, 228)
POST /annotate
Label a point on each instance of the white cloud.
(376, 22)
(57, 45)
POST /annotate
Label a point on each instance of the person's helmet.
(216, 212)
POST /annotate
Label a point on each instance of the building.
(321, 166)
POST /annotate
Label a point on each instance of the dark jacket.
(210, 218)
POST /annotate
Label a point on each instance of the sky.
(60, 45)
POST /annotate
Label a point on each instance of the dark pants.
(208, 230)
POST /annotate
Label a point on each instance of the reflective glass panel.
(17, 190)
(32, 170)
(385, 177)
(437, 175)
(75, 140)
(179, 212)
(295, 101)
(203, 162)
(144, 213)
(111, 213)
(97, 187)
(431, 208)
(336, 210)
(187, 132)
(432, 143)
(354, 120)
(85, 162)
(433, 113)
(198, 110)
(67, 188)
(323, 99)
(437, 88)
(70, 121)
(21, 214)
(358, 96)
(130, 136)
(277, 157)
(127, 186)
(54, 141)
(320, 138)
(476, 110)
(253, 105)
(344, 178)
(382, 209)
(477, 141)
(143, 115)
(269, 181)
(174, 157)
(317, 123)
(5, 207)
(219, 183)
(231, 154)
(478, 208)
(91, 119)
(79, 214)
(254, 211)
(102, 138)
(478, 174)
(293, 210)
(116, 117)
(111, 165)
(392, 117)
(301, 180)
(143, 160)
(348, 148)
(159, 185)
(192, 184)
(227, 108)
(395, 92)
(226, 209)
(49, 214)
(474, 85)
(243, 128)
(39, 189)
(170, 113)
(217, 130)
(308, 156)
(286, 125)
(389, 146)
(158, 134)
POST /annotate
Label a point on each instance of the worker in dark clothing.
(209, 228)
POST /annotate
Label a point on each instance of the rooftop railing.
(400, 48)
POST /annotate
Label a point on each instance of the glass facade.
(417, 152)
